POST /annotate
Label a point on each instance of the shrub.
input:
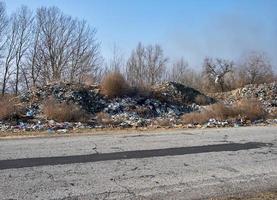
(103, 118)
(249, 109)
(220, 111)
(195, 118)
(163, 122)
(202, 100)
(9, 108)
(63, 112)
(114, 85)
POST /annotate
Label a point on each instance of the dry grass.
(195, 118)
(63, 112)
(104, 118)
(9, 108)
(163, 123)
(251, 109)
(202, 100)
(114, 85)
(258, 196)
(222, 112)
(247, 109)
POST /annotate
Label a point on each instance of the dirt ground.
(259, 196)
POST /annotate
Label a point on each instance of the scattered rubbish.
(162, 108)
(62, 131)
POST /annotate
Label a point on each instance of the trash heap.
(164, 106)
(177, 93)
(166, 103)
(142, 111)
(266, 93)
(87, 97)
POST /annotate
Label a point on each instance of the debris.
(62, 131)
(265, 93)
(162, 108)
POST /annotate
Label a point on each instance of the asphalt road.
(183, 164)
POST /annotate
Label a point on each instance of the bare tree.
(3, 41)
(67, 47)
(215, 72)
(84, 60)
(3, 27)
(136, 66)
(146, 65)
(22, 19)
(10, 53)
(155, 64)
(255, 69)
(116, 63)
(55, 40)
(179, 71)
(33, 67)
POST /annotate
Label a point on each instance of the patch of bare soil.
(259, 196)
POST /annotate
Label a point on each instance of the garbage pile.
(173, 92)
(265, 93)
(166, 103)
(164, 107)
(142, 111)
(87, 97)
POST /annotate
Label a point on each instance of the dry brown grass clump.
(202, 100)
(251, 109)
(104, 118)
(216, 111)
(247, 109)
(195, 118)
(220, 111)
(63, 112)
(9, 108)
(114, 85)
(165, 123)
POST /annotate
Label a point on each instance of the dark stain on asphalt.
(63, 160)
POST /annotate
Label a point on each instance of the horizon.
(191, 29)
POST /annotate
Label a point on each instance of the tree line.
(46, 45)
(37, 48)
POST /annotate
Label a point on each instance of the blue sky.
(192, 29)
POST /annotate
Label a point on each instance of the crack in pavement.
(124, 187)
(95, 148)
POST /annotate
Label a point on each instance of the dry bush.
(216, 111)
(63, 112)
(251, 109)
(163, 123)
(104, 118)
(88, 80)
(202, 100)
(220, 111)
(9, 108)
(114, 85)
(195, 118)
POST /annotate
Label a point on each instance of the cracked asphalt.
(173, 164)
